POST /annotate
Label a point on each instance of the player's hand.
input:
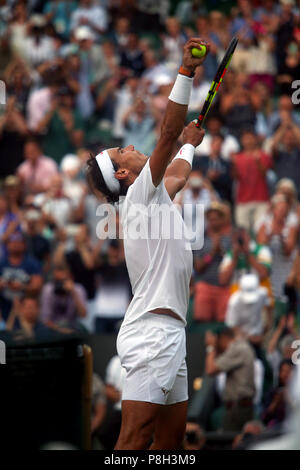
(193, 135)
(188, 61)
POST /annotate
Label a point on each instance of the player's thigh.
(138, 418)
(170, 426)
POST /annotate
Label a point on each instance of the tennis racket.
(217, 81)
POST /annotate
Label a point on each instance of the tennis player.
(151, 341)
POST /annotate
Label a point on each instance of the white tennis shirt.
(158, 254)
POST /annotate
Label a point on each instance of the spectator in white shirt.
(89, 14)
(38, 47)
(245, 308)
(114, 379)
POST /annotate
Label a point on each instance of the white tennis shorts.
(153, 350)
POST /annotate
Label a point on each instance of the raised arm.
(175, 114)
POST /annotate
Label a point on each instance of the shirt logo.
(165, 391)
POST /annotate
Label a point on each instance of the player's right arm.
(175, 115)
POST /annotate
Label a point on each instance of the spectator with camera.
(246, 307)
(245, 256)
(19, 273)
(63, 302)
(233, 355)
(194, 438)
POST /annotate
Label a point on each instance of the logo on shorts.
(165, 391)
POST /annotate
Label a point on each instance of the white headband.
(108, 171)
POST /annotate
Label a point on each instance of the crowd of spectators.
(90, 74)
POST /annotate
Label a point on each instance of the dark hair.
(227, 332)
(96, 181)
(33, 139)
(30, 296)
(285, 362)
(219, 135)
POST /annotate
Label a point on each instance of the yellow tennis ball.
(199, 51)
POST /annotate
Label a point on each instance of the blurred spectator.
(18, 82)
(79, 255)
(12, 193)
(216, 169)
(24, 319)
(120, 33)
(238, 111)
(286, 154)
(204, 31)
(245, 256)
(90, 14)
(125, 97)
(154, 69)
(37, 171)
(276, 407)
(19, 273)
(262, 65)
(18, 28)
(139, 123)
(199, 91)
(287, 187)
(73, 186)
(113, 294)
(173, 41)
(198, 192)
(60, 13)
(280, 345)
(93, 69)
(8, 224)
(13, 132)
(248, 434)
(210, 299)
(194, 438)
(284, 115)
(40, 100)
(37, 244)
(56, 206)
(246, 307)
(132, 57)
(250, 169)
(63, 126)
(236, 358)
(114, 378)
(63, 302)
(230, 144)
(99, 403)
(38, 47)
(280, 234)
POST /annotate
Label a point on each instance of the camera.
(191, 437)
(59, 288)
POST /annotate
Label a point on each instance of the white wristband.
(186, 153)
(181, 90)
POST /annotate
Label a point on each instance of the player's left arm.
(179, 169)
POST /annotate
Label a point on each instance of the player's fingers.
(196, 42)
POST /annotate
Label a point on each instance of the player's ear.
(121, 174)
